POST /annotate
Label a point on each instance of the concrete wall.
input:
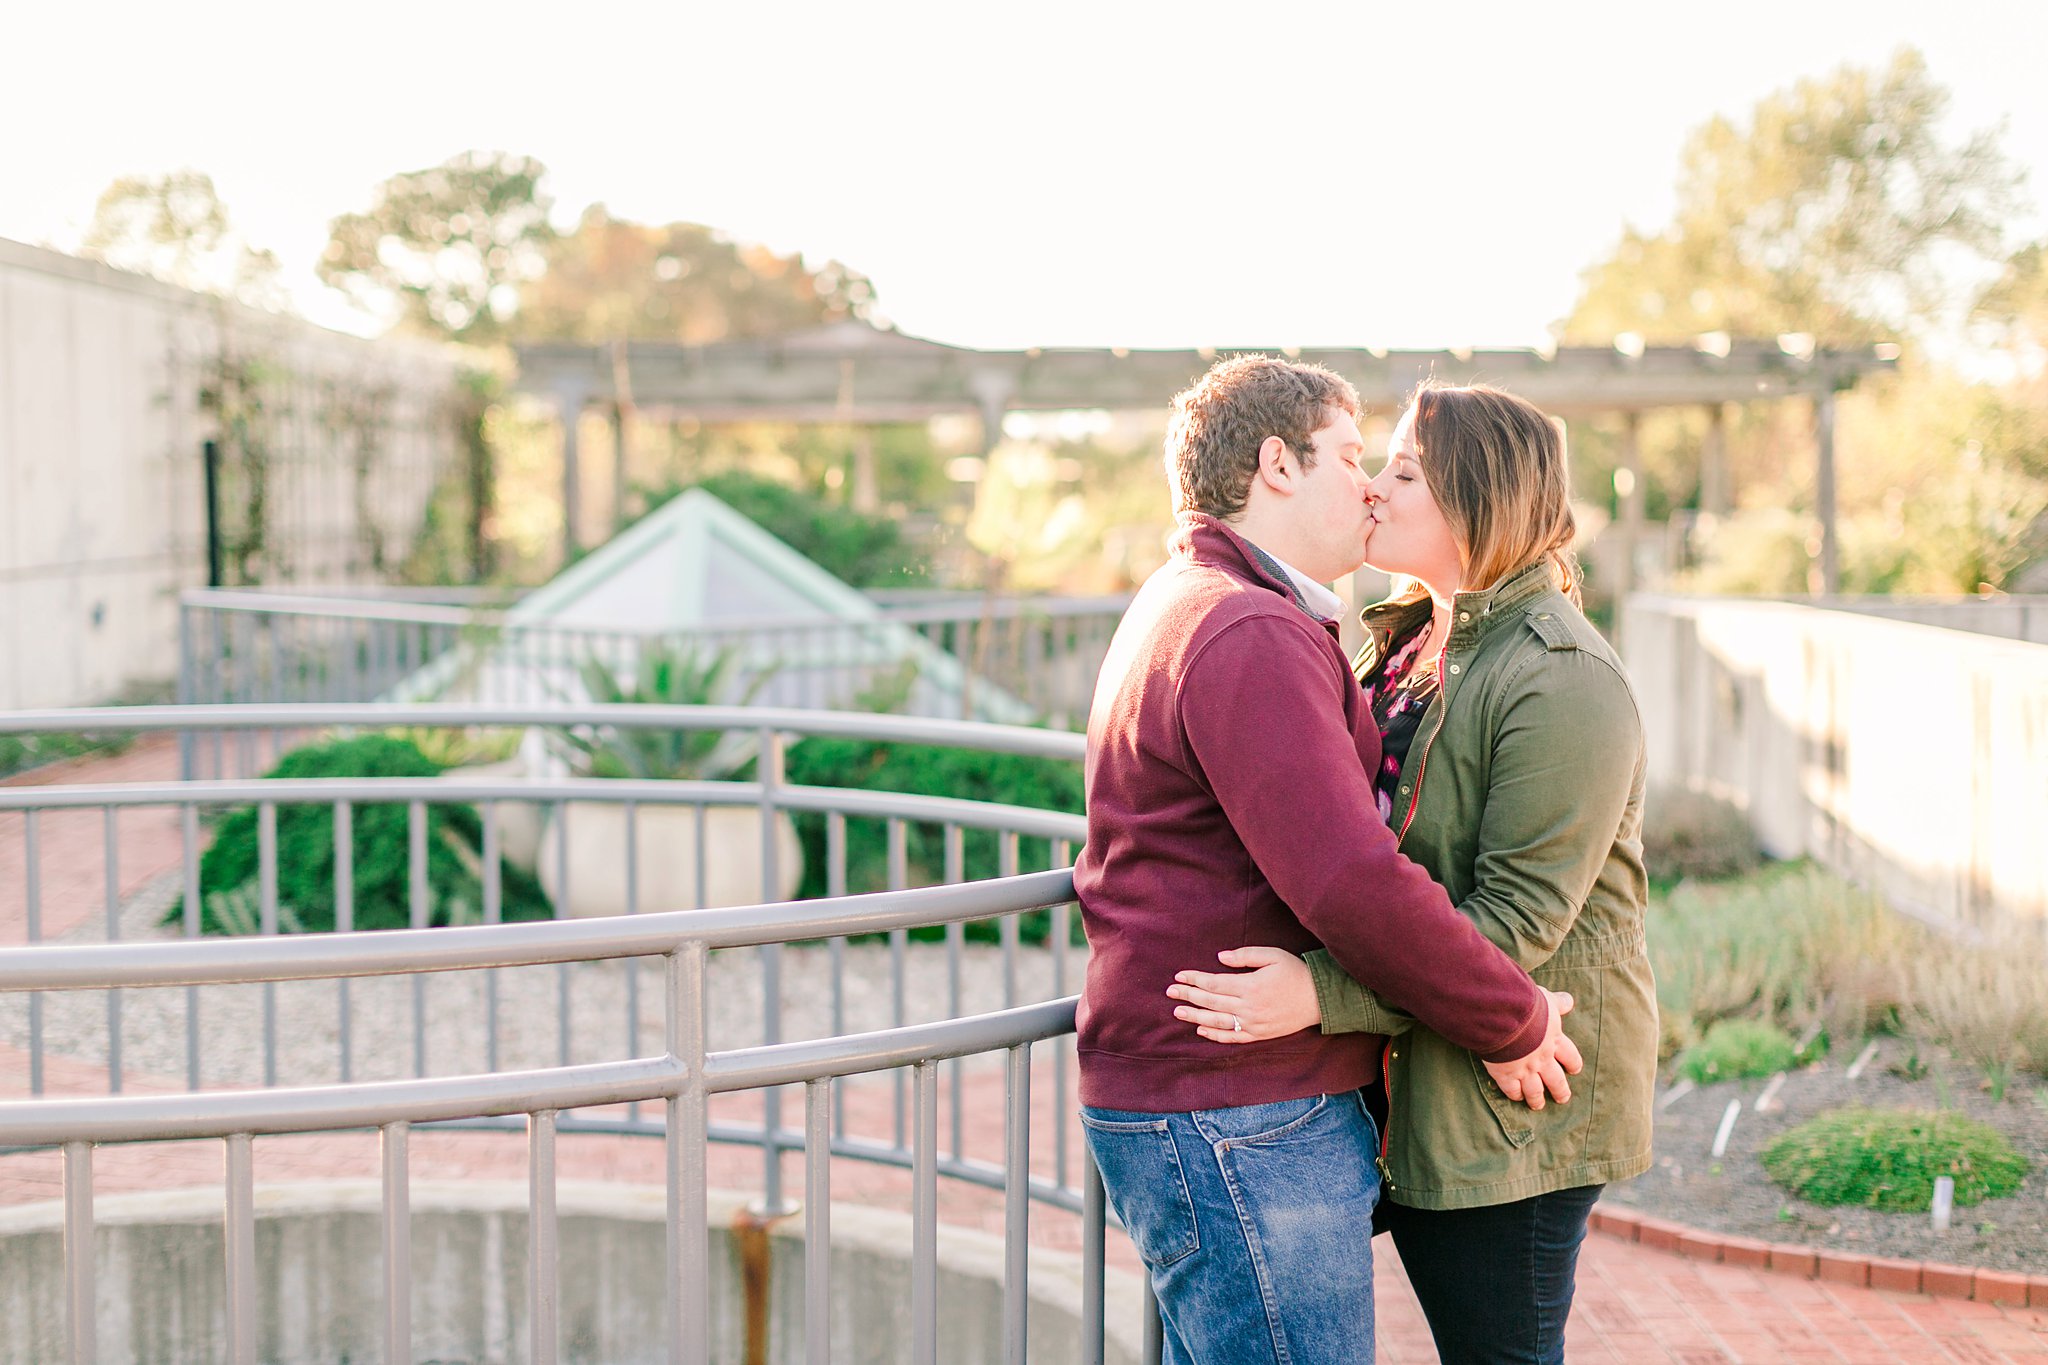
(1911, 757)
(2018, 616)
(160, 1281)
(103, 416)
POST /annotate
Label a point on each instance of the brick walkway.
(1635, 1305)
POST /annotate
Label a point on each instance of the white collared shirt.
(1322, 604)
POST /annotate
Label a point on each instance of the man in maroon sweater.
(1230, 802)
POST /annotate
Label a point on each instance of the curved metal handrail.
(959, 734)
(392, 952)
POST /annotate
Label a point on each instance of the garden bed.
(1733, 1195)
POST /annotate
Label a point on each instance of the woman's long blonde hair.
(1497, 469)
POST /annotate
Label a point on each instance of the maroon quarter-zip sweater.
(1229, 804)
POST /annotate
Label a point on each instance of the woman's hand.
(1274, 998)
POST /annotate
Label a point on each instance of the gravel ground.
(381, 1010)
(1734, 1195)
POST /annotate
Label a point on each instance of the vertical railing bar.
(266, 925)
(344, 923)
(80, 1301)
(397, 1244)
(956, 942)
(835, 886)
(687, 1173)
(31, 838)
(419, 918)
(543, 1280)
(187, 682)
(1017, 1203)
(563, 1029)
(1006, 866)
(110, 842)
(899, 951)
(494, 912)
(240, 1242)
(818, 1222)
(700, 888)
(632, 818)
(924, 1235)
(1062, 932)
(1092, 1233)
(768, 770)
(188, 838)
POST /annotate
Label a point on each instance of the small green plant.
(20, 752)
(1736, 1048)
(1911, 1068)
(1889, 1159)
(667, 674)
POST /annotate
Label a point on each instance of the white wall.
(1912, 757)
(102, 494)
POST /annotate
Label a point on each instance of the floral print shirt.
(1399, 692)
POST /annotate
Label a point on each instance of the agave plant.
(668, 674)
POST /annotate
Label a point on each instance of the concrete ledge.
(1812, 1263)
(160, 1290)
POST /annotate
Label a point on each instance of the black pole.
(213, 551)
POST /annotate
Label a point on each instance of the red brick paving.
(1636, 1303)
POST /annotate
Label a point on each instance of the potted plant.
(666, 836)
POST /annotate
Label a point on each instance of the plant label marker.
(1769, 1099)
(1677, 1092)
(1944, 1201)
(1808, 1038)
(1727, 1127)
(1863, 1059)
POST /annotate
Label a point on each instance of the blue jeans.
(1518, 1260)
(1255, 1224)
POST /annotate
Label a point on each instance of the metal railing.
(627, 1087)
(1006, 658)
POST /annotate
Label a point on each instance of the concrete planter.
(519, 822)
(668, 855)
(161, 1297)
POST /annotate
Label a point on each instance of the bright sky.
(1044, 173)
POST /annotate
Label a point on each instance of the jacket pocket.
(1511, 1115)
(1142, 1175)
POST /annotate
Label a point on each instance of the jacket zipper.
(1384, 1162)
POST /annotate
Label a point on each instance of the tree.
(1840, 208)
(447, 247)
(613, 280)
(174, 228)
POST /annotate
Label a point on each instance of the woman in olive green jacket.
(1513, 772)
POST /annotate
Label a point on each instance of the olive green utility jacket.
(1522, 794)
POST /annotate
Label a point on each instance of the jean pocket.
(1142, 1175)
(1262, 1124)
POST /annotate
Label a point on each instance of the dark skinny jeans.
(1495, 1282)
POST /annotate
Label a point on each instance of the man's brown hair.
(1220, 421)
(1496, 466)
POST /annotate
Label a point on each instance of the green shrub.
(1006, 779)
(381, 843)
(1690, 835)
(1734, 1048)
(1889, 1159)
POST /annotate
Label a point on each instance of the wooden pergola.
(858, 375)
